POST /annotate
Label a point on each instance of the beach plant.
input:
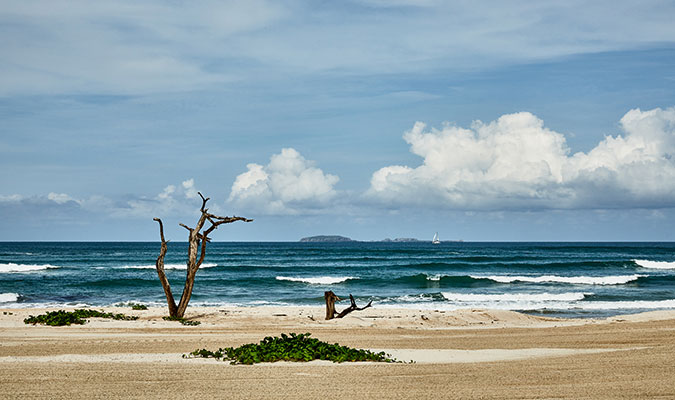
(134, 306)
(182, 321)
(77, 317)
(291, 347)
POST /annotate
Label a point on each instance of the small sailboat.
(436, 240)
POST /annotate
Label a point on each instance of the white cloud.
(60, 198)
(189, 189)
(122, 47)
(170, 202)
(288, 184)
(517, 163)
(10, 198)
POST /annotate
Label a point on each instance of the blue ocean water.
(566, 279)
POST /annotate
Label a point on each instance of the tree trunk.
(159, 265)
(331, 298)
(197, 247)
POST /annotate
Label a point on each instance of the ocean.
(558, 279)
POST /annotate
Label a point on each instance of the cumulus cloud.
(288, 184)
(515, 162)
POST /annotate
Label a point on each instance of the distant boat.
(436, 240)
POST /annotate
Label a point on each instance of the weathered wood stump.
(331, 298)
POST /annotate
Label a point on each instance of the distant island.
(326, 238)
(338, 238)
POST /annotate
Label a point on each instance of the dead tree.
(197, 241)
(331, 298)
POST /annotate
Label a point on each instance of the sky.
(372, 119)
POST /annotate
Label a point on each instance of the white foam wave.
(655, 264)
(412, 298)
(9, 297)
(500, 301)
(511, 297)
(166, 266)
(576, 280)
(516, 301)
(12, 267)
(318, 280)
(435, 278)
(53, 305)
(626, 305)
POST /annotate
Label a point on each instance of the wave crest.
(574, 280)
(655, 264)
(514, 297)
(19, 268)
(166, 266)
(9, 297)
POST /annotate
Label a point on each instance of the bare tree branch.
(353, 307)
(197, 241)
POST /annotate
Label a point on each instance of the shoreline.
(468, 353)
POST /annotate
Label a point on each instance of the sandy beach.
(458, 354)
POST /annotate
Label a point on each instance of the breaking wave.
(166, 266)
(655, 264)
(574, 280)
(514, 297)
(12, 267)
(626, 305)
(9, 297)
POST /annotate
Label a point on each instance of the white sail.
(436, 240)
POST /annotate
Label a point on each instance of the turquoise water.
(568, 279)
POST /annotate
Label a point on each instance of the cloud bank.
(513, 163)
(516, 163)
(173, 200)
(289, 184)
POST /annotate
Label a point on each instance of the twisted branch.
(197, 241)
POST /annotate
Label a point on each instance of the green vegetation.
(182, 321)
(61, 318)
(134, 306)
(291, 348)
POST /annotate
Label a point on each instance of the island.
(326, 238)
(338, 238)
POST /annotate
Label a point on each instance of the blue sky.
(480, 120)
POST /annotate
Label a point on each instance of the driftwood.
(331, 298)
(196, 251)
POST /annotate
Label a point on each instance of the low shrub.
(292, 347)
(182, 321)
(61, 317)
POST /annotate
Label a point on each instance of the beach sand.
(472, 354)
